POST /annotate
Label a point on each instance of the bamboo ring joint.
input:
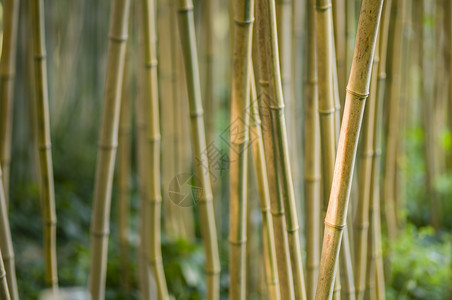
(357, 95)
(337, 227)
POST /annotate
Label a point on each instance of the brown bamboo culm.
(45, 151)
(257, 144)
(151, 93)
(312, 176)
(265, 90)
(108, 140)
(204, 197)
(7, 79)
(7, 251)
(239, 139)
(357, 92)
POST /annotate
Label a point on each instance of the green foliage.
(420, 264)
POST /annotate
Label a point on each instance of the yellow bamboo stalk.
(339, 28)
(7, 251)
(205, 198)
(312, 176)
(357, 91)
(7, 78)
(108, 140)
(151, 93)
(257, 143)
(4, 292)
(45, 152)
(282, 150)
(239, 139)
(265, 89)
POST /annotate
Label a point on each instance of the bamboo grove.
(246, 149)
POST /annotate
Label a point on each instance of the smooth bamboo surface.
(239, 139)
(45, 151)
(7, 79)
(4, 292)
(108, 143)
(204, 198)
(357, 92)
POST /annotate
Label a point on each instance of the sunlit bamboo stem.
(357, 92)
(45, 151)
(108, 140)
(205, 199)
(4, 292)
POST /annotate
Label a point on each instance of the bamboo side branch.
(239, 138)
(7, 251)
(151, 93)
(205, 198)
(108, 141)
(7, 78)
(265, 89)
(312, 176)
(357, 91)
(45, 151)
(260, 164)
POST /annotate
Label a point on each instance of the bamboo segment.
(281, 146)
(124, 176)
(239, 138)
(7, 251)
(312, 160)
(339, 27)
(357, 91)
(361, 224)
(107, 148)
(4, 292)
(7, 77)
(205, 199)
(257, 143)
(151, 93)
(45, 152)
(265, 89)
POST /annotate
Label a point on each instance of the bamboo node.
(239, 242)
(118, 39)
(151, 64)
(7, 75)
(185, 9)
(382, 76)
(244, 22)
(2, 275)
(39, 57)
(337, 227)
(367, 153)
(100, 233)
(327, 111)
(196, 114)
(277, 213)
(357, 95)
(323, 7)
(312, 178)
(107, 147)
(214, 271)
(264, 82)
(277, 107)
(292, 230)
(45, 147)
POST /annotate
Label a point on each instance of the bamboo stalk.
(312, 176)
(107, 148)
(257, 143)
(7, 79)
(4, 292)
(45, 152)
(281, 146)
(205, 198)
(357, 91)
(124, 176)
(339, 29)
(7, 252)
(265, 89)
(151, 93)
(239, 138)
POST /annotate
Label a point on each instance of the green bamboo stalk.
(357, 91)
(312, 176)
(45, 152)
(257, 143)
(7, 78)
(124, 176)
(151, 93)
(107, 148)
(240, 101)
(7, 251)
(282, 150)
(265, 89)
(4, 292)
(205, 198)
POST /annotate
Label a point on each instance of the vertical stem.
(108, 140)
(240, 100)
(357, 91)
(208, 228)
(7, 77)
(45, 151)
(4, 292)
